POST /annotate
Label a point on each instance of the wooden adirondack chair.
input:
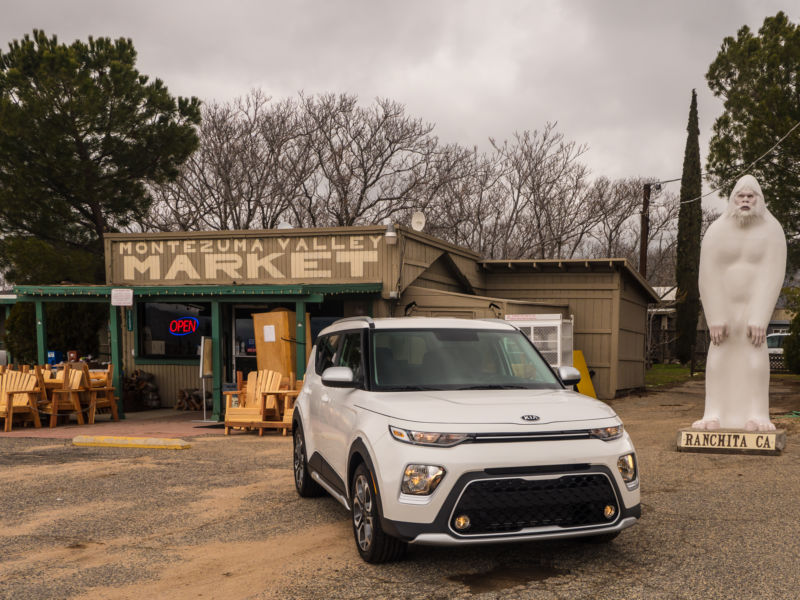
(19, 394)
(100, 392)
(66, 397)
(254, 403)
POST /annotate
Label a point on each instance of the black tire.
(373, 544)
(305, 485)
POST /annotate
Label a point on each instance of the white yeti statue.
(742, 267)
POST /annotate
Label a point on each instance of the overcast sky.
(616, 75)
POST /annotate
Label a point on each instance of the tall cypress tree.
(690, 219)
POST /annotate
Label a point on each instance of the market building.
(187, 285)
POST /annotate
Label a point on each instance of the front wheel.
(373, 544)
(305, 485)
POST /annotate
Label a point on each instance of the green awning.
(102, 293)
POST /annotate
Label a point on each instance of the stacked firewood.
(190, 399)
(142, 384)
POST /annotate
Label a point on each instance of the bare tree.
(370, 163)
(619, 203)
(468, 205)
(246, 172)
(548, 211)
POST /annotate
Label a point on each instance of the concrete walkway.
(161, 423)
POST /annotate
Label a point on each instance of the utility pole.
(645, 231)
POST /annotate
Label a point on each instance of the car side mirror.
(569, 375)
(338, 377)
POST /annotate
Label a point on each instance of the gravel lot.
(222, 520)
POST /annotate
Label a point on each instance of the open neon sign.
(183, 326)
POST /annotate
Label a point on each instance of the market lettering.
(224, 245)
(248, 259)
(306, 264)
(229, 264)
(182, 264)
(357, 260)
(255, 264)
(150, 267)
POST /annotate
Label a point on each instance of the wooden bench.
(255, 404)
(286, 397)
(19, 394)
(101, 392)
(65, 395)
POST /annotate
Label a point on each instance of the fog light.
(609, 511)
(462, 522)
(627, 467)
(421, 480)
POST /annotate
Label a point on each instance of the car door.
(340, 413)
(317, 428)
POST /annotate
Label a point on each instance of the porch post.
(41, 333)
(116, 356)
(216, 358)
(8, 314)
(300, 336)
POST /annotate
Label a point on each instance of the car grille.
(509, 505)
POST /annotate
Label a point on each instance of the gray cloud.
(615, 75)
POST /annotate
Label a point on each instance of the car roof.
(351, 323)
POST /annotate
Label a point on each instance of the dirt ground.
(222, 520)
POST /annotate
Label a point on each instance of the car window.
(457, 359)
(326, 349)
(350, 355)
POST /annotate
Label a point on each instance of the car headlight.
(421, 480)
(607, 433)
(428, 438)
(627, 468)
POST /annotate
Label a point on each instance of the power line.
(748, 167)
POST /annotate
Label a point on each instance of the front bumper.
(520, 505)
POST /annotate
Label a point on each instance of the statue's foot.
(759, 425)
(709, 424)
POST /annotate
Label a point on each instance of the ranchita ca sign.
(690, 440)
(244, 259)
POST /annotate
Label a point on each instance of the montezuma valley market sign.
(242, 260)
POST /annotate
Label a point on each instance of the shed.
(608, 299)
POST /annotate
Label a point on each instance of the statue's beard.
(745, 218)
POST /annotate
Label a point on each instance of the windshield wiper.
(486, 386)
(411, 388)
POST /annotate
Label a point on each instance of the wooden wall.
(591, 298)
(169, 377)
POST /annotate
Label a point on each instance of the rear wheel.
(306, 486)
(373, 544)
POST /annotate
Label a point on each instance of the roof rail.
(363, 319)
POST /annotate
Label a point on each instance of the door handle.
(325, 398)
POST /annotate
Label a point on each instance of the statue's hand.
(718, 333)
(757, 334)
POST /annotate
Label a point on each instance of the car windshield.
(775, 341)
(457, 359)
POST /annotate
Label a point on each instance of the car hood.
(482, 407)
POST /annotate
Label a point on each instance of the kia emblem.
(530, 417)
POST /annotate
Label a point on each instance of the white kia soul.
(450, 431)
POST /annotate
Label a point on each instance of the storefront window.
(172, 330)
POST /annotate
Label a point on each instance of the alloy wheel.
(362, 512)
(299, 460)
